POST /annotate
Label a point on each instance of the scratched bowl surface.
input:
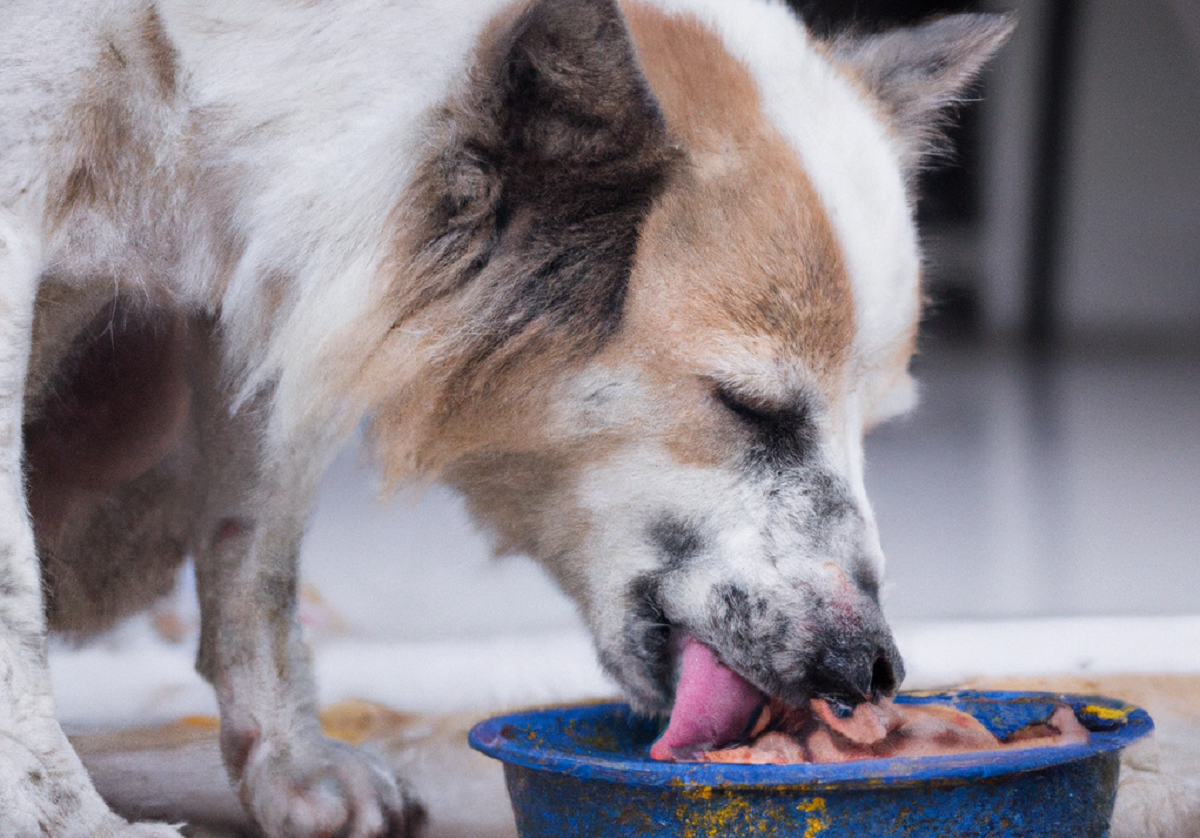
(586, 771)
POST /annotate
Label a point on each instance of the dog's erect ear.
(553, 160)
(571, 149)
(572, 92)
(916, 72)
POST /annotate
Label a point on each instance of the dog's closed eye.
(783, 433)
(761, 413)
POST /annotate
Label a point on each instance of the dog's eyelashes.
(741, 406)
(759, 413)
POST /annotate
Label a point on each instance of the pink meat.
(883, 729)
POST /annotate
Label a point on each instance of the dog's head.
(668, 262)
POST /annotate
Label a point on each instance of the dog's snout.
(860, 672)
(853, 678)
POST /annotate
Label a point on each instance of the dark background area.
(1067, 208)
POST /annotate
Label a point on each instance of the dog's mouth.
(714, 706)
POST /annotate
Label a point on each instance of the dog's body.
(634, 279)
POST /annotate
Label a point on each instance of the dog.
(633, 276)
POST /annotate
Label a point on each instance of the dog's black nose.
(861, 673)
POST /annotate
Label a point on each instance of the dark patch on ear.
(539, 194)
(917, 71)
(677, 541)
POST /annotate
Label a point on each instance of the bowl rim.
(493, 737)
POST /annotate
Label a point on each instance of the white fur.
(855, 167)
(329, 152)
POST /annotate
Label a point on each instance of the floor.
(1062, 485)
(173, 772)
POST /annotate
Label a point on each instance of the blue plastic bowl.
(586, 771)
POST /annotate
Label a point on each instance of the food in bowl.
(586, 772)
(719, 717)
(826, 731)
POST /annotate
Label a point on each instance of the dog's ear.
(553, 161)
(572, 93)
(527, 212)
(918, 71)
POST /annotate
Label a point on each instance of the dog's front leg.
(293, 780)
(44, 789)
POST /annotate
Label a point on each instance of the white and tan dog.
(633, 276)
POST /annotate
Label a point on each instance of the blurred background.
(1054, 464)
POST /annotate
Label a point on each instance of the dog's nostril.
(859, 674)
(883, 677)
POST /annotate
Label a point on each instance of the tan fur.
(113, 171)
(160, 52)
(430, 406)
(738, 259)
(745, 222)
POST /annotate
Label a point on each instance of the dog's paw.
(318, 787)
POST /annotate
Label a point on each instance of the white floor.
(1038, 518)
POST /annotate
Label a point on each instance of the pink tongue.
(714, 706)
